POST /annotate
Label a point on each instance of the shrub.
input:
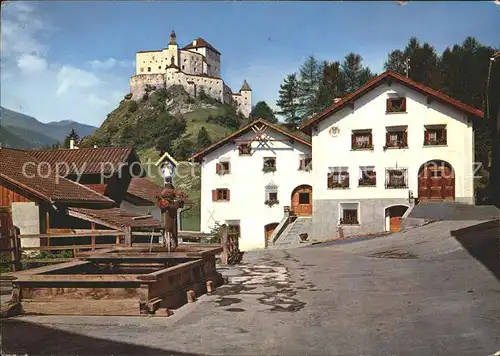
(128, 96)
(133, 106)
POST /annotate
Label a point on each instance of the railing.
(15, 248)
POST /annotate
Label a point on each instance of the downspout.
(180, 215)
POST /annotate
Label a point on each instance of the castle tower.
(246, 99)
(172, 50)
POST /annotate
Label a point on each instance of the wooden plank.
(121, 307)
(65, 247)
(79, 234)
(144, 233)
(83, 278)
(45, 269)
(177, 269)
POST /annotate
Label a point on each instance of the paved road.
(335, 300)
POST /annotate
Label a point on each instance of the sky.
(72, 60)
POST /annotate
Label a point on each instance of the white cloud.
(111, 63)
(70, 78)
(29, 63)
(49, 90)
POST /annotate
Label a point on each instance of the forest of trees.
(460, 71)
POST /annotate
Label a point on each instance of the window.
(142, 69)
(435, 135)
(338, 177)
(221, 194)
(269, 164)
(368, 176)
(222, 168)
(396, 137)
(159, 67)
(361, 139)
(271, 194)
(183, 67)
(349, 213)
(149, 69)
(245, 149)
(396, 105)
(304, 198)
(396, 178)
(305, 164)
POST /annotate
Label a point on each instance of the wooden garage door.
(395, 224)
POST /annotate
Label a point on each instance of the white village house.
(387, 146)
(249, 177)
(384, 146)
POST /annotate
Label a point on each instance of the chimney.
(336, 100)
(71, 144)
(95, 146)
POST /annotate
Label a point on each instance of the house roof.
(166, 156)
(114, 217)
(144, 188)
(86, 160)
(243, 130)
(373, 83)
(20, 169)
(200, 42)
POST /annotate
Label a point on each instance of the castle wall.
(139, 82)
(191, 62)
(153, 62)
(243, 101)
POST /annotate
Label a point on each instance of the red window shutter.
(426, 136)
(405, 138)
(387, 138)
(214, 195)
(444, 136)
(228, 195)
(404, 104)
(229, 167)
(353, 141)
(347, 178)
(329, 180)
(370, 139)
(302, 164)
(217, 167)
(388, 105)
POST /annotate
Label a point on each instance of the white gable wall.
(247, 183)
(369, 113)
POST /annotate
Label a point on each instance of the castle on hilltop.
(196, 67)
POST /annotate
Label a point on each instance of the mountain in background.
(22, 131)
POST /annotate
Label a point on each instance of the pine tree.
(354, 73)
(203, 139)
(332, 84)
(288, 99)
(262, 110)
(396, 62)
(310, 74)
(71, 135)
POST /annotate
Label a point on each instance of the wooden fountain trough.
(120, 281)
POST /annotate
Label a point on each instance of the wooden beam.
(92, 237)
(78, 215)
(78, 234)
(83, 278)
(128, 236)
(51, 268)
(66, 247)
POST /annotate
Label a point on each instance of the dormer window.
(397, 104)
(244, 149)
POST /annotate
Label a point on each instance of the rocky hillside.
(166, 120)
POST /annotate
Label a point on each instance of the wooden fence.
(229, 239)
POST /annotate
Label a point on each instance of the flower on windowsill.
(367, 182)
(305, 169)
(270, 203)
(268, 169)
(223, 172)
(348, 221)
(440, 141)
